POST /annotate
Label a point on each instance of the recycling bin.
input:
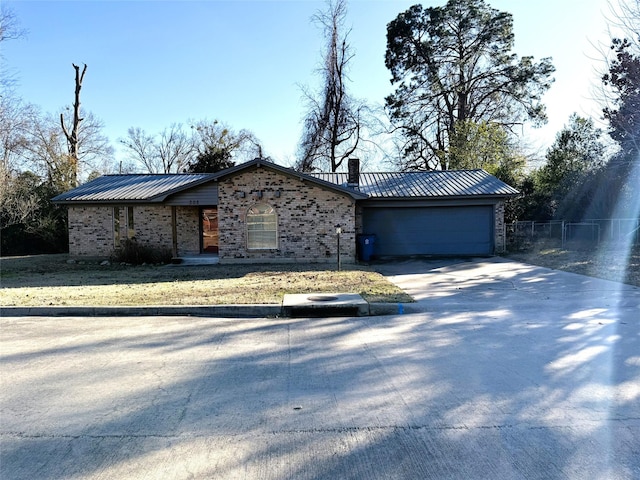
(365, 244)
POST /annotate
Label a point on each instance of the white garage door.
(402, 231)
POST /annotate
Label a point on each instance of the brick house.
(262, 212)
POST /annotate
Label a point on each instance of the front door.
(209, 230)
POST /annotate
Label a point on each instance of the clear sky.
(153, 63)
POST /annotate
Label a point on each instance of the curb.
(220, 311)
(226, 311)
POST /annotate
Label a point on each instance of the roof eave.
(110, 201)
(159, 198)
(448, 197)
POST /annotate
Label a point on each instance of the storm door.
(209, 229)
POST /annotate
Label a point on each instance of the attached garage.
(453, 230)
(451, 212)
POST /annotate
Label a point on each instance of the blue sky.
(153, 63)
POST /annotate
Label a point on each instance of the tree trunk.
(73, 141)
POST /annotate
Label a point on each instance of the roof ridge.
(151, 174)
(387, 172)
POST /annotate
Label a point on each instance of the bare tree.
(175, 148)
(627, 19)
(9, 30)
(219, 147)
(40, 146)
(142, 149)
(243, 145)
(86, 146)
(73, 140)
(14, 130)
(208, 146)
(9, 26)
(168, 152)
(333, 125)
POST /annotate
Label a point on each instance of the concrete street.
(500, 371)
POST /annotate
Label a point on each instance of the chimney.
(353, 177)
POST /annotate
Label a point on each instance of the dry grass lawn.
(608, 260)
(49, 280)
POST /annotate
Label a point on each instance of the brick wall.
(153, 225)
(92, 229)
(307, 218)
(188, 230)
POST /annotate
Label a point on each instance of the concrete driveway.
(500, 371)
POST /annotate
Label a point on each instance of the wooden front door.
(209, 229)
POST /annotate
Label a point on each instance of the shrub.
(136, 254)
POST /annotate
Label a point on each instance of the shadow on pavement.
(536, 379)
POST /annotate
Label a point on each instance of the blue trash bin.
(365, 242)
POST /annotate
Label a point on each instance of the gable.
(265, 184)
(203, 195)
(259, 164)
(175, 189)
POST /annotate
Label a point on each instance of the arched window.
(262, 227)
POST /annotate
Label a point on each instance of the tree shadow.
(514, 382)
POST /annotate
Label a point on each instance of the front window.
(262, 227)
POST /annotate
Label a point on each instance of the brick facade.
(187, 230)
(91, 231)
(307, 213)
(92, 228)
(307, 218)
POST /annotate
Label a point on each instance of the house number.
(194, 202)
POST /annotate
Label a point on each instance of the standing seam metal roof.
(110, 188)
(432, 184)
(446, 183)
(157, 187)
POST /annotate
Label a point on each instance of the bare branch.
(332, 125)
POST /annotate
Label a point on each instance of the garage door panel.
(431, 231)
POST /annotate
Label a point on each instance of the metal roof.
(150, 188)
(431, 184)
(435, 183)
(133, 188)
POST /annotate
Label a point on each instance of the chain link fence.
(565, 234)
